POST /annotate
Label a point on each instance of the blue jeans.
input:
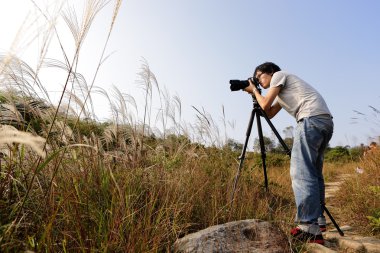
(310, 141)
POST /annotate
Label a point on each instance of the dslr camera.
(242, 84)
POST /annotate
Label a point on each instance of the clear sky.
(195, 47)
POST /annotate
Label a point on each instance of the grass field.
(83, 199)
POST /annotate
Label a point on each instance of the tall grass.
(96, 202)
(359, 196)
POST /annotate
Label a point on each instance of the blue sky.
(195, 47)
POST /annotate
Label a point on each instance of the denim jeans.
(311, 138)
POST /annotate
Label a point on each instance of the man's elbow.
(269, 113)
(266, 107)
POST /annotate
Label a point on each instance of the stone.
(317, 248)
(371, 245)
(349, 243)
(343, 228)
(250, 235)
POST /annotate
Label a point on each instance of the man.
(313, 132)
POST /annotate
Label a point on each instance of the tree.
(268, 144)
(288, 132)
(234, 145)
(280, 149)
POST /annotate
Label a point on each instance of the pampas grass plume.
(9, 135)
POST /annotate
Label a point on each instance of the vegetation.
(69, 183)
(359, 196)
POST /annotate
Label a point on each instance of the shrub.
(337, 154)
(272, 160)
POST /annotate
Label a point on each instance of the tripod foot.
(332, 220)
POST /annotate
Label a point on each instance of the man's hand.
(250, 88)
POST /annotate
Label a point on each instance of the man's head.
(263, 73)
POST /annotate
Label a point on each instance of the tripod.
(258, 111)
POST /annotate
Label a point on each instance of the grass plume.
(10, 135)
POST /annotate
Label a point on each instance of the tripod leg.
(332, 219)
(242, 156)
(262, 149)
(286, 148)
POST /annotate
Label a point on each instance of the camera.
(242, 84)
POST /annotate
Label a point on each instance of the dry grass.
(93, 202)
(359, 196)
(121, 208)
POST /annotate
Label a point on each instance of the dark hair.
(267, 67)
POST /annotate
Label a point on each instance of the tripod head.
(254, 100)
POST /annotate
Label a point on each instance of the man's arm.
(266, 102)
(274, 109)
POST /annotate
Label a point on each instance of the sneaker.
(303, 236)
(322, 224)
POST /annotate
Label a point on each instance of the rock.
(238, 236)
(317, 248)
(343, 228)
(355, 243)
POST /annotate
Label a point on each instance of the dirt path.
(350, 242)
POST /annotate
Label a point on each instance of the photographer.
(313, 132)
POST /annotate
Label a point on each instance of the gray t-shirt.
(297, 97)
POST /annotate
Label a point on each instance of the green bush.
(343, 154)
(337, 154)
(272, 160)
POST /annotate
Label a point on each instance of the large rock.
(237, 236)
